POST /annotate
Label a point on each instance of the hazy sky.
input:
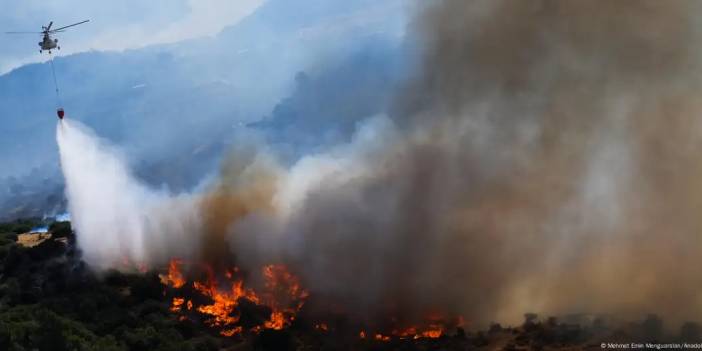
(115, 24)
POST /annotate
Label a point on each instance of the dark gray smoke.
(546, 158)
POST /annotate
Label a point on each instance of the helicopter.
(47, 42)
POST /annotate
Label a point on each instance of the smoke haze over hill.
(174, 109)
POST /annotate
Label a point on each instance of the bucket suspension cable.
(59, 103)
(53, 73)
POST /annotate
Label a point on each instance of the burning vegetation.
(224, 302)
(221, 299)
(51, 300)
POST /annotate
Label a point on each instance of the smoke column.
(546, 158)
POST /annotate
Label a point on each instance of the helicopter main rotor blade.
(74, 24)
(50, 24)
(24, 32)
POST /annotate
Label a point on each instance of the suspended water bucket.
(60, 112)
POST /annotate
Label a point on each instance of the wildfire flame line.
(281, 292)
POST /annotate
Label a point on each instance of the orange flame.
(434, 327)
(381, 337)
(177, 304)
(432, 331)
(282, 293)
(277, 321)
(174, 277)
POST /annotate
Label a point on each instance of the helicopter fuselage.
(47, 43)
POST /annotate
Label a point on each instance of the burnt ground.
(50, 300)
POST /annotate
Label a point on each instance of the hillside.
(50, 300)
